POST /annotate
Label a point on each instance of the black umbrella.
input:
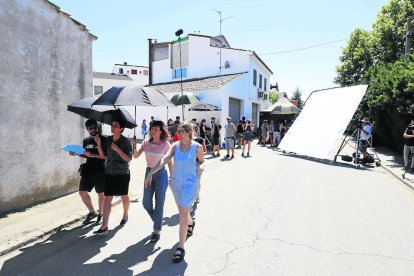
(186, 98)
(204, 107)
(103, 114)
(132, 96)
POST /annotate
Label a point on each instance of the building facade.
(199, 57)
(104, 81)
(139, 74)
(46, 61)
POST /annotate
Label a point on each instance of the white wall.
(139, 78)
(109, 83)
(46, 63)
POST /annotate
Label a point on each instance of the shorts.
(116, 185)
(363, 145)
(92, 179)
(229, 142)
(248, 136)
(216, 141)
(240, 135)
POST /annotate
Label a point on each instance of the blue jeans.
(159, 185)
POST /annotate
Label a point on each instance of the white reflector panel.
(318, 130)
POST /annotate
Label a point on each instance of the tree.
(356, 58)
(380, 55)
(297, 95)
(273, 97)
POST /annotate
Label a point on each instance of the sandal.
(179, 255)
(190, 230)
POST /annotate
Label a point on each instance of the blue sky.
(264, 26)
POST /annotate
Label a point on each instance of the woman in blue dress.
(187, 167)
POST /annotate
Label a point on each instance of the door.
(234, 109)
(255, 110)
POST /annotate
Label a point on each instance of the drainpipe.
(150, 59)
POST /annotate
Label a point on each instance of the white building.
(235, 80)
(139, 74)
(104, 81)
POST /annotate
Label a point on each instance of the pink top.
(153, 152)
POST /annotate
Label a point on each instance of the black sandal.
(190, 230)
(178, 257)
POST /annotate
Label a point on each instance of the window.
(176, 73)
(265, 84)
(133, 71)
(97, 90)
(121, 71)
(260, 81)
(254, 77)
(145, 73)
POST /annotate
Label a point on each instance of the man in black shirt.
(409, 144)
(92, 172)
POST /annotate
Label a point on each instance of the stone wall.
(46, 63)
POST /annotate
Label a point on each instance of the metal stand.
(356, 160)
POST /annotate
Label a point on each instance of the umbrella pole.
(135, 137)
(167, 115)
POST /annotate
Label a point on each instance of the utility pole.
(221, 42)
(407, 35)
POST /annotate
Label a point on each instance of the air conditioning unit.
(260, 94)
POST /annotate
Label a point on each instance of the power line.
(305, 48)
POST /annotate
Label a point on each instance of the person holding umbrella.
(92, 172)
(187, 167)
(118, 153)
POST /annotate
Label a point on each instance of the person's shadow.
(63, 245)
(163, 264)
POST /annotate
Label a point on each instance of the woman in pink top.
(155, 148)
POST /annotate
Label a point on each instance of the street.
(267, 214)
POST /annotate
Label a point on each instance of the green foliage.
(273, 97)
(297, 95)
(380, 55)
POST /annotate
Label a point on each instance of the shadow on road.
(163, 264)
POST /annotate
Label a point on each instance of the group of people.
(272, 133)
(107, 169)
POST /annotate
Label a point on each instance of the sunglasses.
(91, 128)
(181, 131)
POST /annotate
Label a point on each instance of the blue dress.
(184, 179)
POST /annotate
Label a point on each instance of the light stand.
(178, 34)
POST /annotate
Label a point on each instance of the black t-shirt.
(239, 128)
(216, 130)
(410, 131)
(93, 164)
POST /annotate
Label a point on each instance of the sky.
(263, 26)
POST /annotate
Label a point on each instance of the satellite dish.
(226, 64)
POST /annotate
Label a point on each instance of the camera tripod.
(357, 161)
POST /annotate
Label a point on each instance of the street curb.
(399, 177)
(53, 230)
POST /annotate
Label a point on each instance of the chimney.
(125, 63)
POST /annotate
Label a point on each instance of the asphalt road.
(265, 215)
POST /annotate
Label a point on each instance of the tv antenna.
(221, 19)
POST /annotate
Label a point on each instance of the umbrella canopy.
(204, 107)
(103, 114)
(282, 106)
(187, 98)
(134, 95)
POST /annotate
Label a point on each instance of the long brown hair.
(164, 136)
